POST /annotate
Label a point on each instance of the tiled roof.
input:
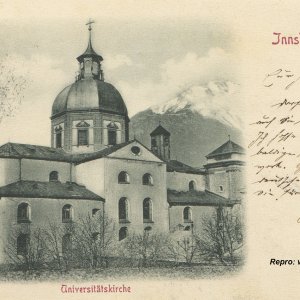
(177, 166)
(52, 190)
(227, 148)
(14, 150)
(80, 158)
(205, 198)
(160, 130)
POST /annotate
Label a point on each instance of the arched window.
(67, 213)
(58, 137)
(123, 232)
(24, 213)
(66, 245)
(112, 133)
(187, 214)
(123, 210)
(53, 176)
(95, 68)
(95, 211)
(147, 179)
(147, 210)
(166, 141)
(123, 177)
(22, 244)
(95, 236)
(192, 185)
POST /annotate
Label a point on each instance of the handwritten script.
(275, 147)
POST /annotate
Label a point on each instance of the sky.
(149, 60)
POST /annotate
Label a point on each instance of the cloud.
(47, 76)
(117, 61)
(176, 75)
(30, 123)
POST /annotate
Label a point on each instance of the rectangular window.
(83, 137)
(112, 137)
(58, 140)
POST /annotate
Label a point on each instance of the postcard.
(149, 149)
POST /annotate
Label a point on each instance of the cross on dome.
(90, 22)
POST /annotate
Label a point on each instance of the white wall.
(9, 170)
(39, 170)
(180, 181)
(136, 192)
(91, 175)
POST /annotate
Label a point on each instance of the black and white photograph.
(129, 157)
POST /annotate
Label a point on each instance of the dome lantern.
(90, 61)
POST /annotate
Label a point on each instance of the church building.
(92, 166)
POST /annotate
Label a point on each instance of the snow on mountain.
(216, 100)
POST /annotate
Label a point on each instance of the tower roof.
(159, 130)
(90, 52)
(227, 148)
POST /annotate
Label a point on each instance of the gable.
(135, 151)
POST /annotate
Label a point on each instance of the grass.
(178, 272)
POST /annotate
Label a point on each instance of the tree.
(222, 235)
(146, 249)
(93, 240)
(26, 248)
(184, 249)
(55, 235)
(12, 87)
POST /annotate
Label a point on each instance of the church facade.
(93, 167)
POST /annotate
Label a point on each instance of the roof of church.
(227, 148)
(83, 157)
(89, 95)
(198, 198)
(177, 166)
(52, 190)
(160, 130)
(15, 150)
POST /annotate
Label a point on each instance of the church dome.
(89, 95)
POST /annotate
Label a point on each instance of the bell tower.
(160, 142)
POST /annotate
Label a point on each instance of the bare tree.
(184, 249)
(93, 240)
(222, 235)
(59, 245)
(12, 87)
(145, 249)
(26, 248)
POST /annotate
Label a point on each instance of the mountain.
(199, 119)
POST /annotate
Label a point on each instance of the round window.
(136, 150)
